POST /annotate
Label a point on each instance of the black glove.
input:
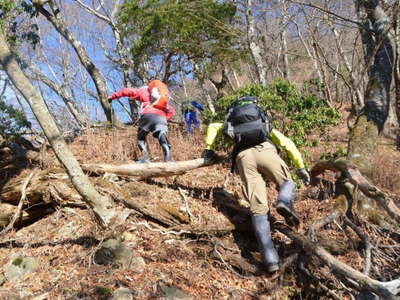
(304, 175)
(208, 154)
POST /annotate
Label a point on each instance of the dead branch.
(148, 213)
(143, 171)
(367, 244)
(172, 213)
(186, 202)
(315, 227)
(357, 179)
(387, 290)
(21, 202)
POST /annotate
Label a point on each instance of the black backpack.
(246, 123)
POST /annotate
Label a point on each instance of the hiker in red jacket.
(155, 112)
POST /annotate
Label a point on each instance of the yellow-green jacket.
(276, 137)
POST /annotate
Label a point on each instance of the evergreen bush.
(296, 112)
(13, 121)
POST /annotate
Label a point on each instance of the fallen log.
(18, 213)
(143, 171)
(357, 179)
(11, 191)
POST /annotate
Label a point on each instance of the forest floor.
(64, 242)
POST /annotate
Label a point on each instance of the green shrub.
(340, 152)
(12, 121)
(297, 113)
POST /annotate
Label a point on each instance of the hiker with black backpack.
(255, 157)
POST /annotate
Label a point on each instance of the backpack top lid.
(244, 100)
(159, 94)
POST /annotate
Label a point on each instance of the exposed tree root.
(367, 244)
(387, 290)
(357, 179)
(317, 226)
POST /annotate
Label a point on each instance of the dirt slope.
(201, 266)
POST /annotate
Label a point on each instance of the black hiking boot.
(286, 197)
(268, 252)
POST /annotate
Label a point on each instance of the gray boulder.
(114, 253)
(122, 294)
(173, 293)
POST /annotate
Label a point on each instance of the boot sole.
(142, 161)
(290, 217)
(272, 268)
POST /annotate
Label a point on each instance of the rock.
(20, 266)
(67, 231)
(122, 294)
(114, 253)
(173, 293)
(130, 238)
(110, 177)
(138, 264)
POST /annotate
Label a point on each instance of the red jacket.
(143, 95)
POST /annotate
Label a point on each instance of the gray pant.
(158, 126)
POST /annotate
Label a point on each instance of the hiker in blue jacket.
(190, 114)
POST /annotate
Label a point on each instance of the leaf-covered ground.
(203, 265)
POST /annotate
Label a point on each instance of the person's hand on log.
(208, 154)
(304, 176)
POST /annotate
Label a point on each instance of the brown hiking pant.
(253, 165)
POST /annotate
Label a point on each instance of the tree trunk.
(397, 79)
(255, 49)
(56, 20)
(285, 56)
(358, 102)
(101, 205)
(370, 123)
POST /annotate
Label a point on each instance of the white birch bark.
(255, 49)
